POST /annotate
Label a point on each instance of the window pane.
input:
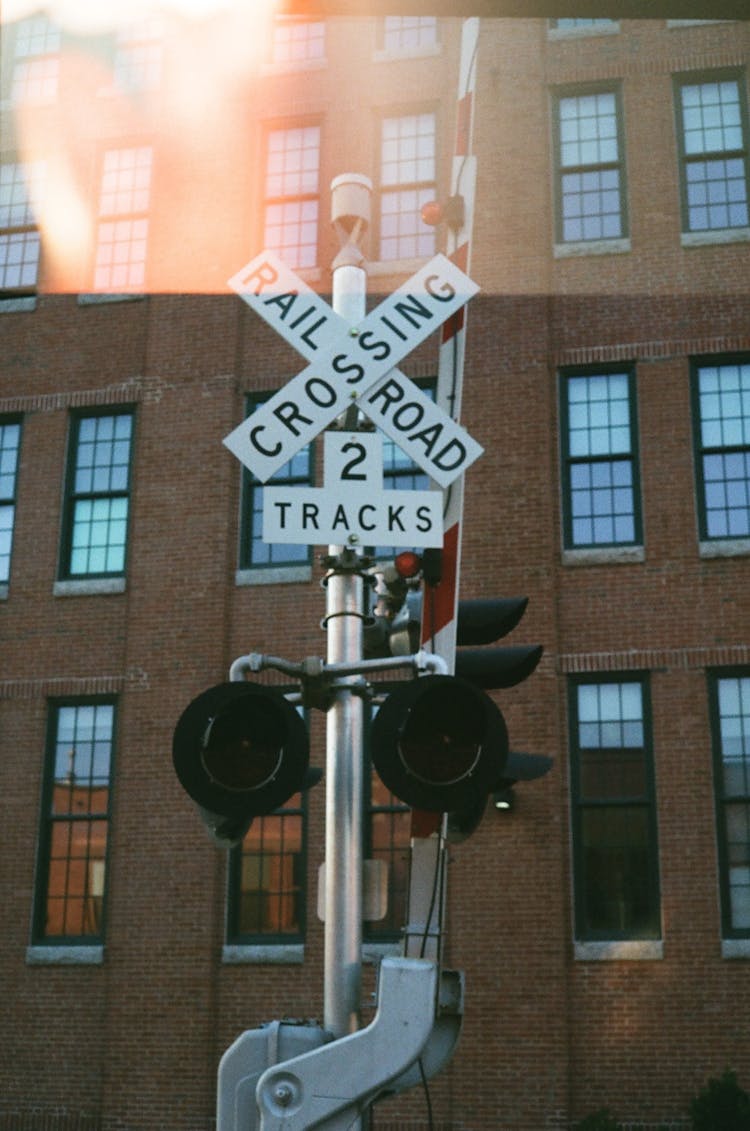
(77, 822)
(268, 878)
(723, 433)
(616, 860)
(601, 491)
(98, 495)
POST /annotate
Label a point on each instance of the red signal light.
(408, 564)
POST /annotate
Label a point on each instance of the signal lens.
(441, 739)
(243, 745)
(407, 563)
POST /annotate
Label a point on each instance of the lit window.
(98, 496)
(600, 464)
(730, 701)
(408, 34)
(614, 821)
(296, 40)
(590, 171)
(267, 879)
(712, 133)
(123, 220)
(254, 552)
(407, 182)
(75, 824)
(19, 232)
(37, 63)
(10, 441)
(721, 396)
(291, 194)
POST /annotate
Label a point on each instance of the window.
(254, 552)
(409, 34)
(407, 181)
(600, 459)
(266, 900)
(19, 232)
(123, 220)
(291, 194)
(730, 714)
(37, 64)
(10, 441)
(721, 414)
(139, 55)
(590, 166)
(72, 867)
(387, 836)
(98, 495)
(297, 40)
(614, 823)
(712, 139)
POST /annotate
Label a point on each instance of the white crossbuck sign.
(353, 365)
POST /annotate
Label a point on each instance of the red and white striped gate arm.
(427, 879)
(440, 604)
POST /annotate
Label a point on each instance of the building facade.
(603, 922)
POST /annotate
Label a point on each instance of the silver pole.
(344, 735)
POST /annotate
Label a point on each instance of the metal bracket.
(330, 1086)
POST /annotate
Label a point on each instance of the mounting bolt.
(283, 1094)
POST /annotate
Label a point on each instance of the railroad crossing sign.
(353, 365)
(352, 507)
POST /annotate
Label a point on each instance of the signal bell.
(240, 750)
(439, 743)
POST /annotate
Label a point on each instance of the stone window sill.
(89, 587)
(715, 236)
(275, 954)
(577, 248)
(64, 955)
(725, 548)
(611, 555)
(624, 950)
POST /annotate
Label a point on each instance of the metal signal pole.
(350, 204)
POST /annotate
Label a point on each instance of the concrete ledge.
(89, 587)
(64, 955)
(16, 305)
(610, 555)
(725, 548)
(591, 247)
(276, 954)
(715, 236)
(97, 299)
(735, 948)
(624, 950)
(372, 953)
(586, 30)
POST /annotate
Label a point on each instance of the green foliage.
(601, 1120)
(721, 1106)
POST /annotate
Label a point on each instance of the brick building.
(604, 922)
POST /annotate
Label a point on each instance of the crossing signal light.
(439, 744)
(482, 621)
(240, 750)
